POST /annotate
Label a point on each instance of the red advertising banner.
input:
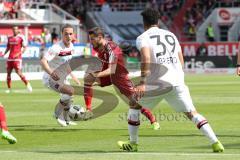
(210, 49)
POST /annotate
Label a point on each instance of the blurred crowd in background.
(193, 18)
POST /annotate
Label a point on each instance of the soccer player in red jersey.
(113, 72)
(16, 45)
(5, 134)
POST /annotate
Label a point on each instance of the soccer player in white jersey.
(57, 55)
(161, 47)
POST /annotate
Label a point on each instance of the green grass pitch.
(30, 119)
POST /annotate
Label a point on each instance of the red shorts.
(123, 83)
(14, 65)
(105, 81)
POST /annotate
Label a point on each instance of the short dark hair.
(150, 16)
(67, 26)
(96, 31)
(15, 26)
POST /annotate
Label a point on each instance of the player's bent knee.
(89, 79)
(134, 105)
(66, 89)
(66, 100)
(134, 117)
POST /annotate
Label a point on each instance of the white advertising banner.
(34, 51)
(227, 15)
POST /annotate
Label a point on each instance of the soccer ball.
(76, 112)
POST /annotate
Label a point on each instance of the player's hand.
(238, 71)
(88, 77)
(94, 74)
(140, 90)
(2, 54)
(54, 76)
(78, 83)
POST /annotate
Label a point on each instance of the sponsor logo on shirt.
(65, 53)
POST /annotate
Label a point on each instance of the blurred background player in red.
(5, 134)
(17, 46)
(113, 72)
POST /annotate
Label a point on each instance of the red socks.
(9, 81)
(23, 78)
(146, 112)
(88, 93)
(3, 123)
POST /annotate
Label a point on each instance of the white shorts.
(54, 85)
(178, 98)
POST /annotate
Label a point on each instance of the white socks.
(205, 128)
(133, 124)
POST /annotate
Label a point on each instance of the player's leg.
(88, 91)
(89, 81)
(126, 87)
(133, 127)
(3, 127)
(203, 125)
(179, 98)
(17, 67)
(148, 114)
(9, 72)
(62, 109)
(134, 119)
(23, 78)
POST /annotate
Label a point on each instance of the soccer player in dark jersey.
(113, 71)
(16, 45)
(5, 134)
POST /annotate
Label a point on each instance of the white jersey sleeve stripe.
(111, 54)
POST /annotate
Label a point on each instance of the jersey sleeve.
(113, 54)
(24, 41)
(50, 54)
(142, 42)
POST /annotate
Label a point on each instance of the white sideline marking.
(213, 83)
(136, 73)
(26, 91)
(138, 153)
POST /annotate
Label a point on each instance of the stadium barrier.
(218, 58)
(212, 49)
